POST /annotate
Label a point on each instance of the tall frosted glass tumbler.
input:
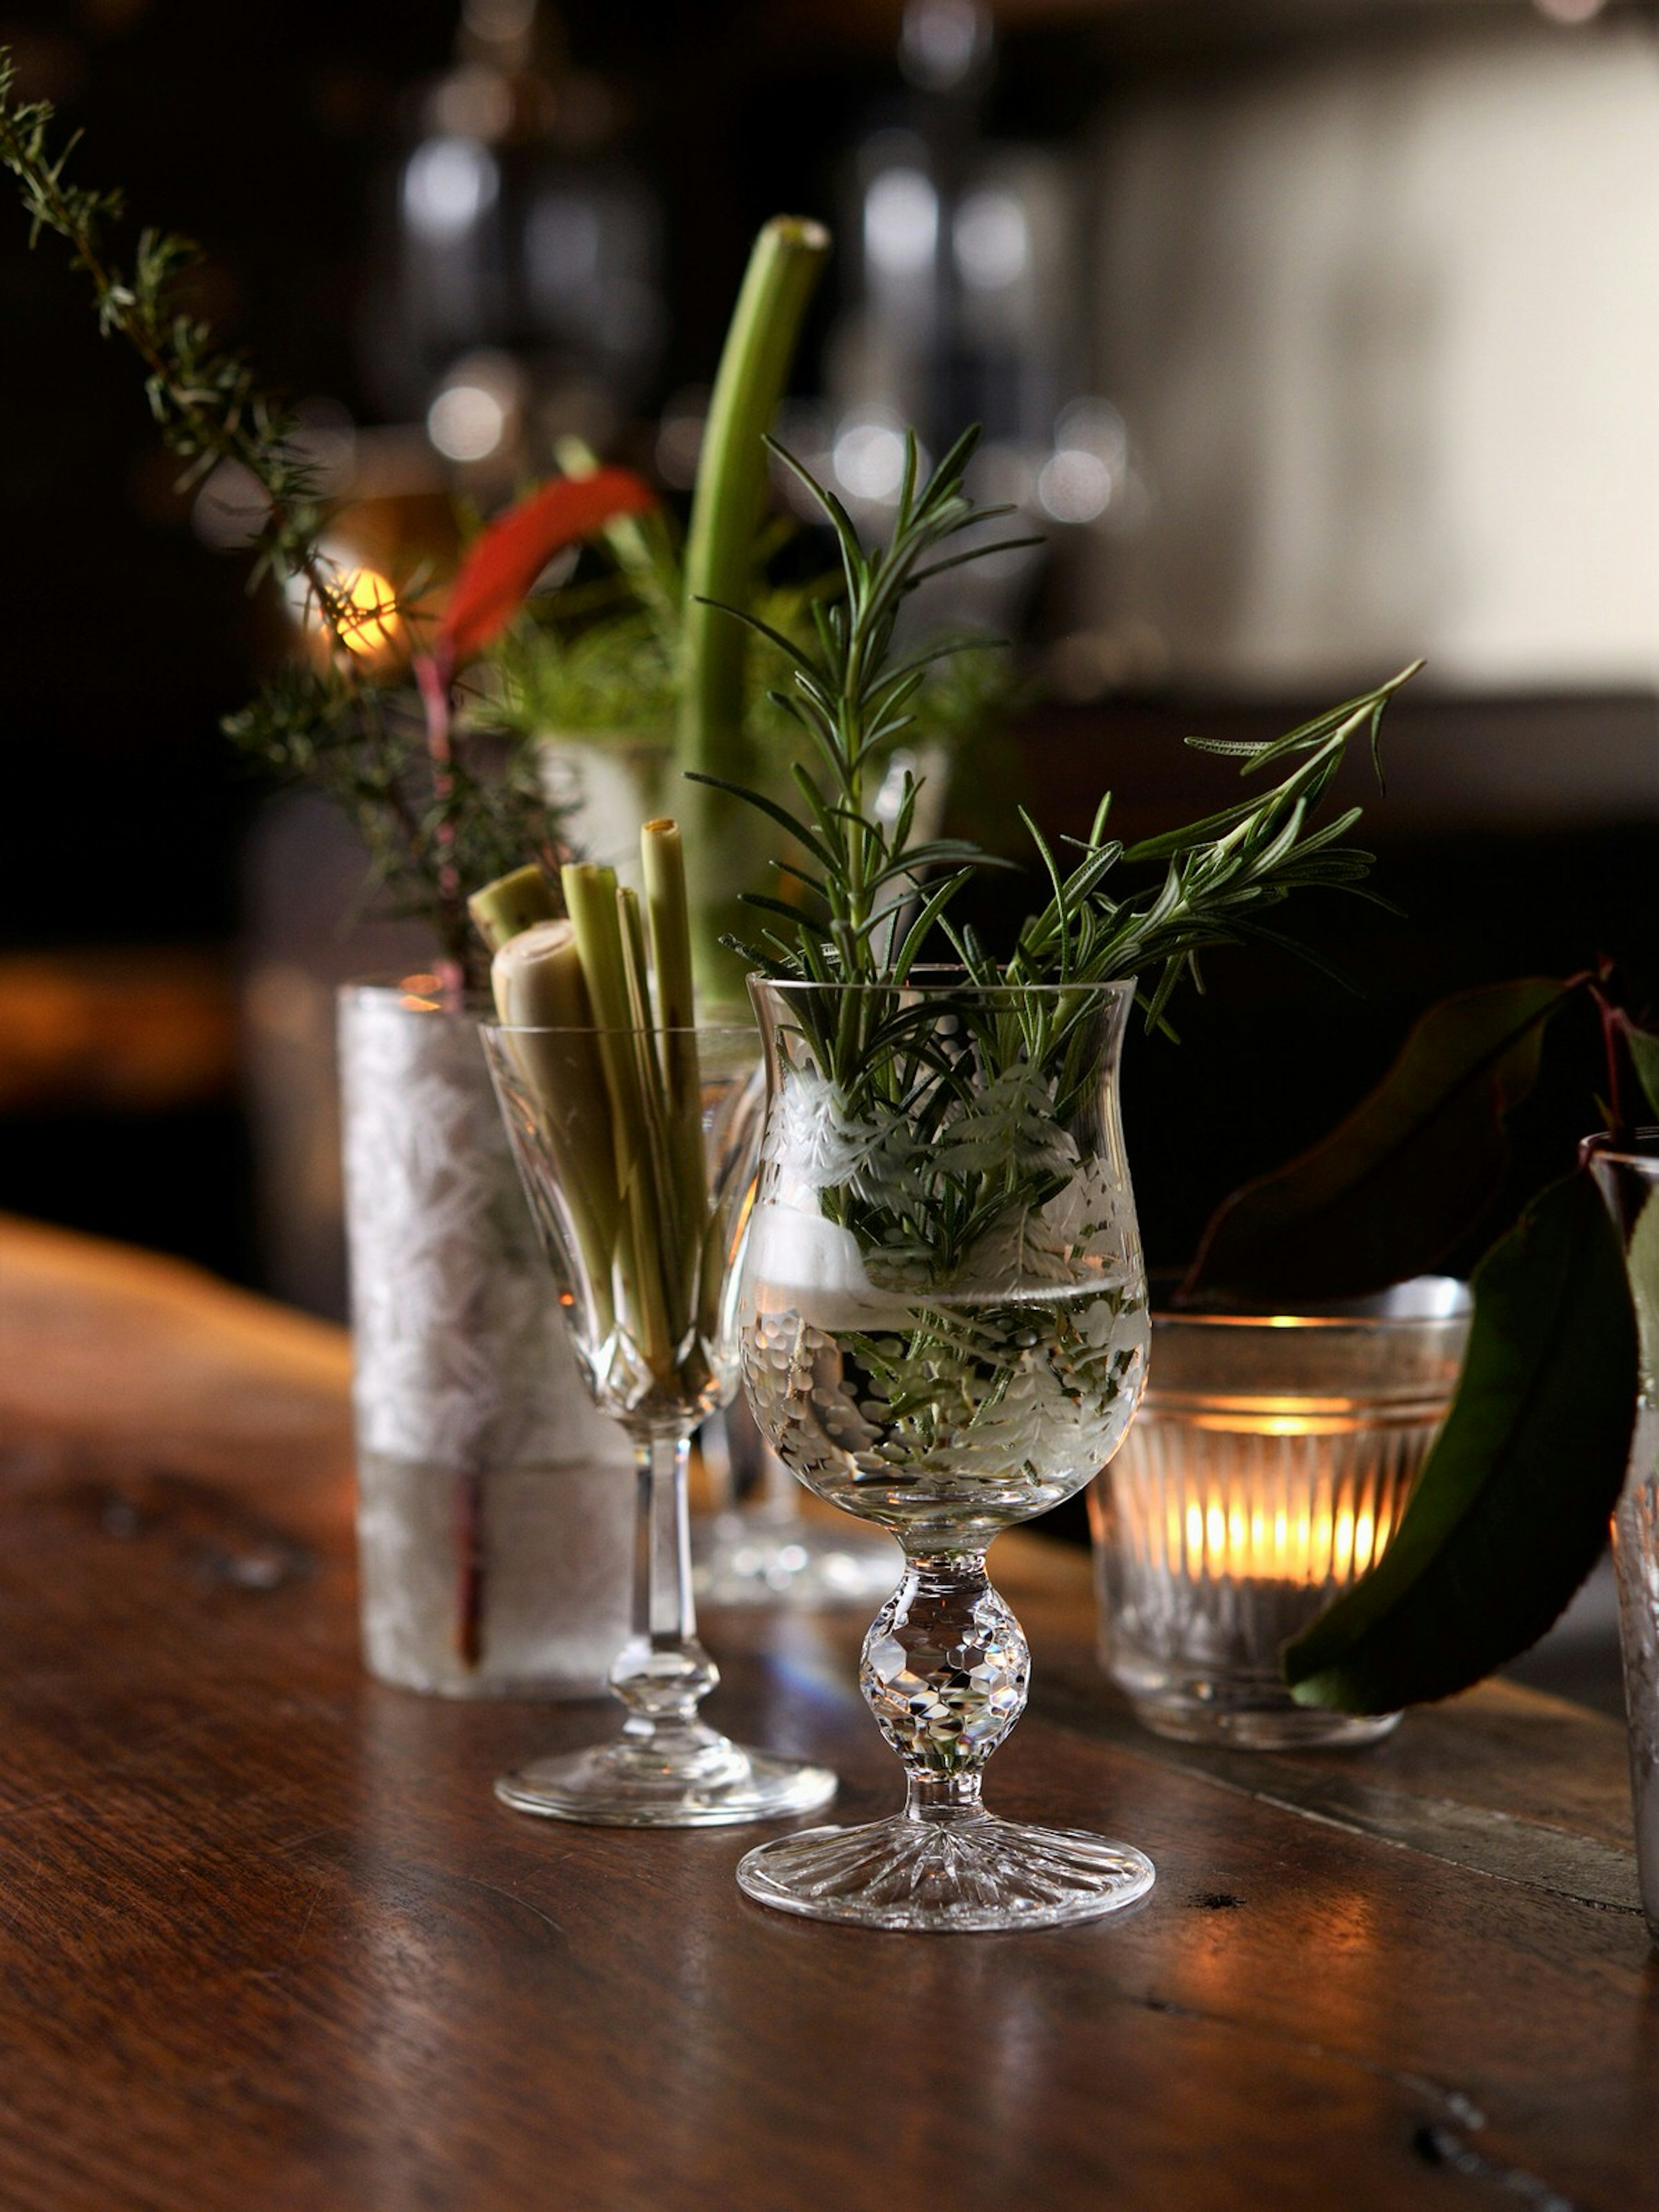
(643, 1254)
(944, 1333)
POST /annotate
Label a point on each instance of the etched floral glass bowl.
(945, 1329)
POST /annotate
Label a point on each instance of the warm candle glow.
(421, 994)
(1235, 1542)
(367, 614)
(372, 623)
(1269, 1498)
(1269, 1467)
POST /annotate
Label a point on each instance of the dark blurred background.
(1312, 338)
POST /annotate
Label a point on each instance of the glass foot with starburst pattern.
(679, 1778)
(971, 1873)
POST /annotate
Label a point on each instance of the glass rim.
(1330, 1315)
(722, 1030)
(937, 974)
(1603, 1146)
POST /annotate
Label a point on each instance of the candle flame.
(1308, 1499)
(1209, 1537)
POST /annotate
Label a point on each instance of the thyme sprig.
(430, 825)
(206, 401)
(486, 816)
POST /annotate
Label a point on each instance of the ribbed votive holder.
(1267, 1468)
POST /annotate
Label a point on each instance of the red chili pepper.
(498, 573)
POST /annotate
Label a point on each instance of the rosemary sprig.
(1221, 873)
(854, 701)
(878, 899)
(856, 698)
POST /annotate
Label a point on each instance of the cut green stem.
(719, 565)
(513, 903)
(643, 1249)
(539, 988)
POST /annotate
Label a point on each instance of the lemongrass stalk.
(537, 983)
(720, 568)
(662, 861)
(637, 972)
(513, 903)
(630, 923)
(645, 1023)
(590, 897)
(590, 900)
(675, 1228)
(662, 869)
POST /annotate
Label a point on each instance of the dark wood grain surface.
(266, 1941)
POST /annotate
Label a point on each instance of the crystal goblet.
(645, 1254)
(945, 1332)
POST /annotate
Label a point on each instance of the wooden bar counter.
(267, 1941)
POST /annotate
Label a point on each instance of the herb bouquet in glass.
(635, 1132)
(944, 1306)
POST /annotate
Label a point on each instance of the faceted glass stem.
(944, 1796)
(944, 1670)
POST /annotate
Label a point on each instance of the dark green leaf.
(1510, 1512)
(1642, 1264)
(1644, 1057)
(1409, 1170)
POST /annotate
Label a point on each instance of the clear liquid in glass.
(953, 1416)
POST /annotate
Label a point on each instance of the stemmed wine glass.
(945, 1332)
(645, 1261)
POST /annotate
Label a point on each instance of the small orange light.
(364, 607)
(369, 624)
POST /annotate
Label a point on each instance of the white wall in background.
(1385, 328)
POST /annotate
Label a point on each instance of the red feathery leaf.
(496, 576)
